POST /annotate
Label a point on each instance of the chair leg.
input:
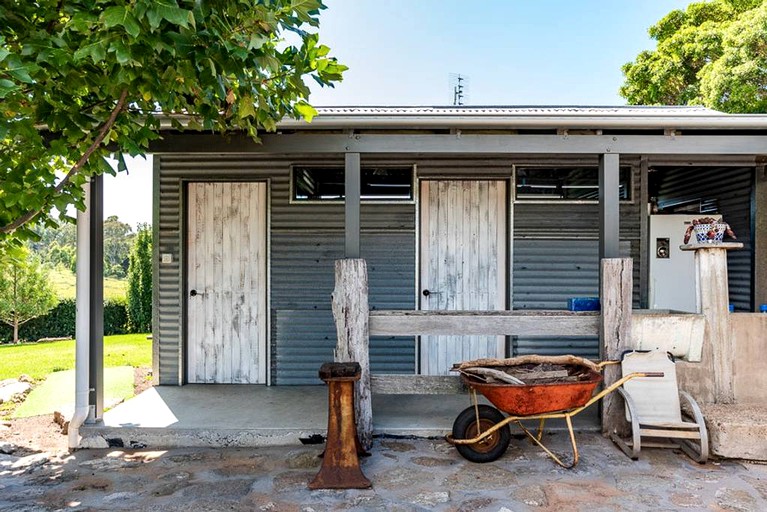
(632, 449)
(698, 453)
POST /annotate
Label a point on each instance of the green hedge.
(60, 322)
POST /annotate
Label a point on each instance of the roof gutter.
(699, 122)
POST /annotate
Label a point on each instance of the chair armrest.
(694, 407)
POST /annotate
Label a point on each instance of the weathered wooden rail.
(453, 323)
(504, 323)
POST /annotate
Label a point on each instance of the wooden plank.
(228, 216)
(417, 384)
(248, 281)
(234, 284)
(350, 311)
(616, 286)
(471, 252)
(193, 304)
(215, 316)
(682, 434)
(262, 257)
(402, 323)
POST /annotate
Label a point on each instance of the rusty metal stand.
(340, 464)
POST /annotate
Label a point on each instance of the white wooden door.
(463, 263)
(226, 276)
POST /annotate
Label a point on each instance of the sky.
(512, 52)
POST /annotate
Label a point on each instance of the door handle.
(195, 293)
(426, 293)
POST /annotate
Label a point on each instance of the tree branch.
(75, 169)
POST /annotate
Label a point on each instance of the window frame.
(555, 200)
(413, 181)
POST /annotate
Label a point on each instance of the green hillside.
(63, 282)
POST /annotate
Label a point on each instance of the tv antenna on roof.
(459, 88)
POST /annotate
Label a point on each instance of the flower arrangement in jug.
(708, 230)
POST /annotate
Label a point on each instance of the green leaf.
(120, 16)
(3, 54)
(6, 87)
(170, 11)
(246, 106)
(18, 70)
(305, 110)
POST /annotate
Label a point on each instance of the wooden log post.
(616, 286)
(350, 311)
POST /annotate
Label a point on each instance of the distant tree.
(140, 281)
(59, 255)
(25, 292)
(712, 53)
(56, 245)
(118, 238)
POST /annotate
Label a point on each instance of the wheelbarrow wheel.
(488, 449)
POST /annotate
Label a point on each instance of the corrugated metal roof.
(544, 110)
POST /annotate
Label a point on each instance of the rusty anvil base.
(340, 464)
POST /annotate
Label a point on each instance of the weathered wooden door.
(226, 275)
(463, 263)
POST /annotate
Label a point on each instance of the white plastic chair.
(654, 410)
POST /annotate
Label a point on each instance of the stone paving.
(407, 474)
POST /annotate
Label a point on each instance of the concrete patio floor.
(248, 416)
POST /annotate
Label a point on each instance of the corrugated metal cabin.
(458, 208)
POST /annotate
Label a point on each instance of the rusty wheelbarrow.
(481, 432)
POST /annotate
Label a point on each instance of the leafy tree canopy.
(80, 80)
(713, 53)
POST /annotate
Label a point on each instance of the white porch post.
(82, 322)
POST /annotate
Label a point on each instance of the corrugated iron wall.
(725, 190)
(556, 256)
(306, 238)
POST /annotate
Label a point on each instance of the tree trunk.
(16, 330)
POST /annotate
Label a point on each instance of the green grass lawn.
(40, 359)
(57, 393)
(63, 282)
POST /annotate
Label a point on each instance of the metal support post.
(609, 201)
(353, 184)
(96, 299)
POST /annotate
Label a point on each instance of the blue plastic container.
(763, 308)
(583, 303)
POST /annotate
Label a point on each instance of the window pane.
(327, 183)
(565, 183)
(387, 183)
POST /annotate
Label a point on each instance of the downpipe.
(82, 324)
